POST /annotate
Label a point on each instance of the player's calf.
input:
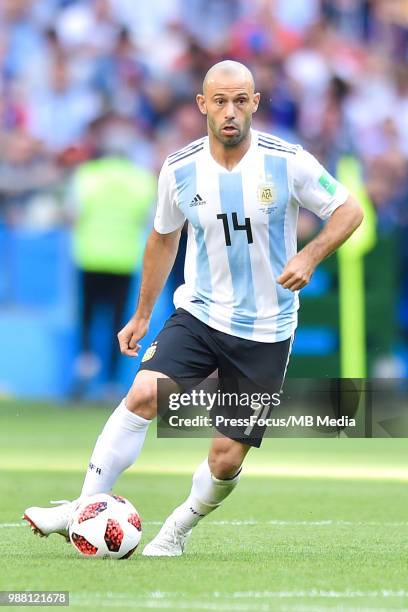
(225, 457)
(207, 494)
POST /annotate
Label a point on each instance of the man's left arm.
(342, 223)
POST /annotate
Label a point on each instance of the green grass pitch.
(314, 524)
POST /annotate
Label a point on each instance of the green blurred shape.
(353, 352)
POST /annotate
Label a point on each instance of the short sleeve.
(314, 188)
(168, 214)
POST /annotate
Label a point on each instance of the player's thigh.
(226, 456)
(142, 396)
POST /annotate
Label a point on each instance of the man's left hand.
(297, 272)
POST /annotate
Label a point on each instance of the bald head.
(229, 101)
(231, 72)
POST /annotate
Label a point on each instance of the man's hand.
(342, 223)
(130, 335)
(297, 272)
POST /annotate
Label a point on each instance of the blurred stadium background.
(93, 81)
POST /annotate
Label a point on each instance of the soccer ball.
(106, 526)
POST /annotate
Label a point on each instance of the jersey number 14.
(235, 226)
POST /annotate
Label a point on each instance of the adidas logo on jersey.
(197, 201)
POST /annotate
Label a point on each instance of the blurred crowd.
(94, 94)
(121, 76)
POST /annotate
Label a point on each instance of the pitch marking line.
(166, 600)
(276, 523)
(311, 593)
(267, 600)
(175, 605)
(171, 603)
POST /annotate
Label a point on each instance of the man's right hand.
(130, 335)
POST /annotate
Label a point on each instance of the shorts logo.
(150, 352)
(267, 193)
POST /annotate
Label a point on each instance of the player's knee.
(142, 396)
(224, 463)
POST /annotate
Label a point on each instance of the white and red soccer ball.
(105, 525)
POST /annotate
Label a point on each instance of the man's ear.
(200, 99)
(256, 99)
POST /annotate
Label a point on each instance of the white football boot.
(44, 521)
(169, 542)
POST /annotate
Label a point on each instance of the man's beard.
(231, 141)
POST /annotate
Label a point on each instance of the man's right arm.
(158, 260)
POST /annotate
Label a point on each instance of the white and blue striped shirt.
(242, 231)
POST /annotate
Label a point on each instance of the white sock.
(117, 447)
(206, 495)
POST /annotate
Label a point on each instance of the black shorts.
(188, 349)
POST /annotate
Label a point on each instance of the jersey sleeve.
(168, 214)
(314, 188)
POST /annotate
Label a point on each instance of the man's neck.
(228, 157)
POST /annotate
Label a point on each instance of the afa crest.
(267, 193)
(150, 352)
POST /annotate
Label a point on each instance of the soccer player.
(240, 191)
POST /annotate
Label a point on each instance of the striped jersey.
(242, 231)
